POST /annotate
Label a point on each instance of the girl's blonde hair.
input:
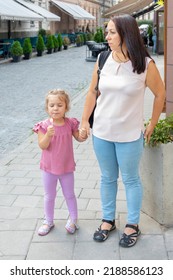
(61, 94)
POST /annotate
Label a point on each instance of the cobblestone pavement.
(24, 85)
(21, 200)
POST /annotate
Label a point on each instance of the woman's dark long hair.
(128, 31)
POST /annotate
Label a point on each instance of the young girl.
(57, 160)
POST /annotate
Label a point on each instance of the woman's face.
(112, 36)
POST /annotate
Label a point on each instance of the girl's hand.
(148, 132)
(85, 125)
(83, 134)
(50, 131)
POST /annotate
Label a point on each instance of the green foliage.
(81, 39)
(16, 49)
(98, 36)
(60, 41)
(144, 21)
(78, 39)
(40, 46)
(84, 37)
(89, 36)
(49, 44)
(42, 32)
(66, 41)
(55, 41)
(150, 32)
(163, 132)
(27, 47)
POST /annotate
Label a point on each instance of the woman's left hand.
(148, 132)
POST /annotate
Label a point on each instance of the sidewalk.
(21, 209)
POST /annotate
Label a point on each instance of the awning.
(39, 10)
(127, 7)
(73, 10)
(11, 10)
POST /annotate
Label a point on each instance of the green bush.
(27, 47)
(66, 41)
(163, 132)
(98, 36)
(42, 32)
(60, 40)
(89, 36)
(49, 44)
(40, 46)
(78, 39)
(81, 39)
(55, 41)
(16, 49)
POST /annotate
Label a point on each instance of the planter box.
(157, 178)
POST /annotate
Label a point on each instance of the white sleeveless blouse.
(119, 112)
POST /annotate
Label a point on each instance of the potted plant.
(27, 48)
(56, 44)
(78, 40)
(16, 51)
(60, 41)
(40, 46)
(49, 44)
(156, 173)
(82, 39)
(66, 42)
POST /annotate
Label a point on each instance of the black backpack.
(102, 59)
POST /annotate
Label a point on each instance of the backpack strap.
(102, 58)
(101, 61)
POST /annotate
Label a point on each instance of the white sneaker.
(45, 228)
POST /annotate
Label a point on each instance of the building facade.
(67, 23)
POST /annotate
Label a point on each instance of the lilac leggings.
(67, 183)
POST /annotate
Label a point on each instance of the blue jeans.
(112, 157)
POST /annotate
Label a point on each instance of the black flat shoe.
(130, 240)
(101, 235)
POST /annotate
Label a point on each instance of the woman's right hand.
(86, 126)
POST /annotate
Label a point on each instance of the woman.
(118, 130)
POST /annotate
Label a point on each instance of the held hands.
(86, 126)
(82, 134)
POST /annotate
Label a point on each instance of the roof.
(127, 7)
(11, 10)
(73, 10)
(39, 10)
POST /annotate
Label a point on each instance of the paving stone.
(23, 190)
(148, 247)
(9, 212)
(15, 242)
(17, 173)
(5, 189)
(90, 193)
(94, 251)
(169, 238)
(26, 201)
(12, 258)
(50, 251)
(7, 200)
(94, 204)
(18, 224)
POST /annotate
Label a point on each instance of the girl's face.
(113, 37)
(56, 107)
